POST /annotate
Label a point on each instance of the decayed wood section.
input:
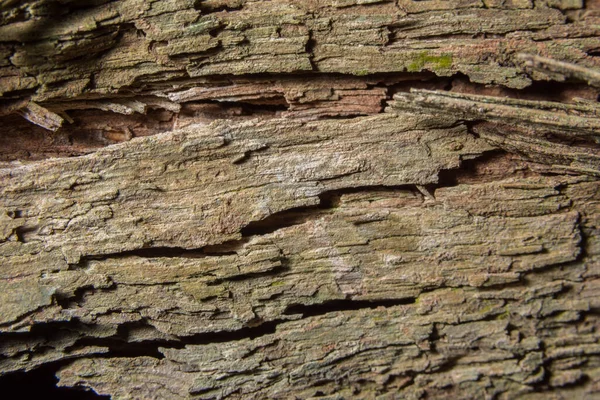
(301, 199)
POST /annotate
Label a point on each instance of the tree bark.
(301, 199)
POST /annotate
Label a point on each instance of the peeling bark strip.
(341, 199)
(562, 69)
(42, 117)
(522, 126)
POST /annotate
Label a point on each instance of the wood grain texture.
(301, 199)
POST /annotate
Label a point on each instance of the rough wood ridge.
(301, 199)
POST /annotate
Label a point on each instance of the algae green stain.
(362, 72)
(504, 315)
(436, 62)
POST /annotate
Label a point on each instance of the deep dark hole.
(41, 384)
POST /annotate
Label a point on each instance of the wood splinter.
(41, 116)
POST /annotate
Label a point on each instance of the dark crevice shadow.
(40, 383)
(204, 8)
(467, 171)
(313, 310)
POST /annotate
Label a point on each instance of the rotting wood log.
(301, 199)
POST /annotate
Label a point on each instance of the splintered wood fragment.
(119, 106)
(566, 69)
(425, 192)
(518, 126)
(559, 157)
(158, 102)
(41, 116)
(124, 106)
(571, 119)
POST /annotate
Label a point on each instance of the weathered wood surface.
(150, 41)
(78, 64)
(302, 198)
